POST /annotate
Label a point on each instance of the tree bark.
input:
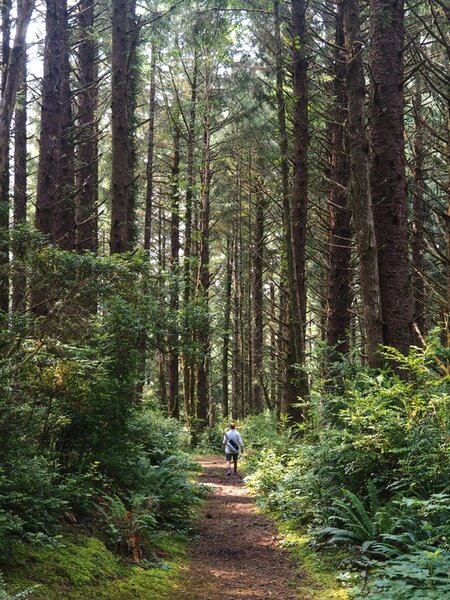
(294, 385)
(150, 152)
(447, 315)
(4, 172)
(120, 227)
(20, 182)
(418, 242)
(188, 367)
(299, 195)
(64, 227)
(132, 78)
(387, 169)
(360, 197)
(226, 330)
(86, 149)
(173, 359)
(339, 279)
(204, 412)
(54, 203)
(237, 387)
(257, 302)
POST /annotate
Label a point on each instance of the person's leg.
(228, 457)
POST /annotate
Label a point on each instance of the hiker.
(232, 443)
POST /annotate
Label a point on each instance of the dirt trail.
(237, 555)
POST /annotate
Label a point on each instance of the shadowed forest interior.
(215, 210)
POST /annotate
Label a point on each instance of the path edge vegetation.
(80, 567)
(320, 572)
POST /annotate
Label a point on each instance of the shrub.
(421, 574)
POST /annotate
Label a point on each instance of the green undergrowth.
(82, 568)
(319, 572)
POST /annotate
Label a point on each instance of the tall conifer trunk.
(13, 63)
(339, 280)
(387, 169)
(226, 329)
(360, 197)
(120, 192)
(4, 171)
(20, 181)
(418, 242)
(150, 152)
(237, 387)
(55, 215)
(294, 386)
(204, 412)
(86, 148)
(299, 196)
(173, 359)
(257, 304)
(187, 362)
(447, 316)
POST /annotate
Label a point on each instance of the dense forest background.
(213, 209)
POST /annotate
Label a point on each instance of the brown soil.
(237, 555)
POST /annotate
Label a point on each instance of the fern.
(365, 529)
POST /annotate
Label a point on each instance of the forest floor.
(237, 555)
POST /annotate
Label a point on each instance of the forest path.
(237, 554)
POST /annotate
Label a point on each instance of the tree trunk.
(417, 243)
(257, 304)
(132, 78)
(173, 360)
(226, 330)
(150, 152)
(339, 279)
(299, 195)
(294, 385)
(360, 197)
(54, 204)
(237, 391)
(120, 227)
(188, 367)
(86, 149)
(64, 228)
(4, 172)
(387, 169)
(20, 182)
(204, 413)
(273, 348)
(447, 316)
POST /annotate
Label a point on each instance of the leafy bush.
(167, 491)
(157, 436)
(421, 574)
(372, 473)
(210, 439)
(30, 499)
(71, 429)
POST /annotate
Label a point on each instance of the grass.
(319, 571)
(84, 569)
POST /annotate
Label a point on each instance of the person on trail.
(232, 443)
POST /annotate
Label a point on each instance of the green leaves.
(421, 574)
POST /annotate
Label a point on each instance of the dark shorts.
(230, 456)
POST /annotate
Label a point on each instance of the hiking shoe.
(228, 473)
